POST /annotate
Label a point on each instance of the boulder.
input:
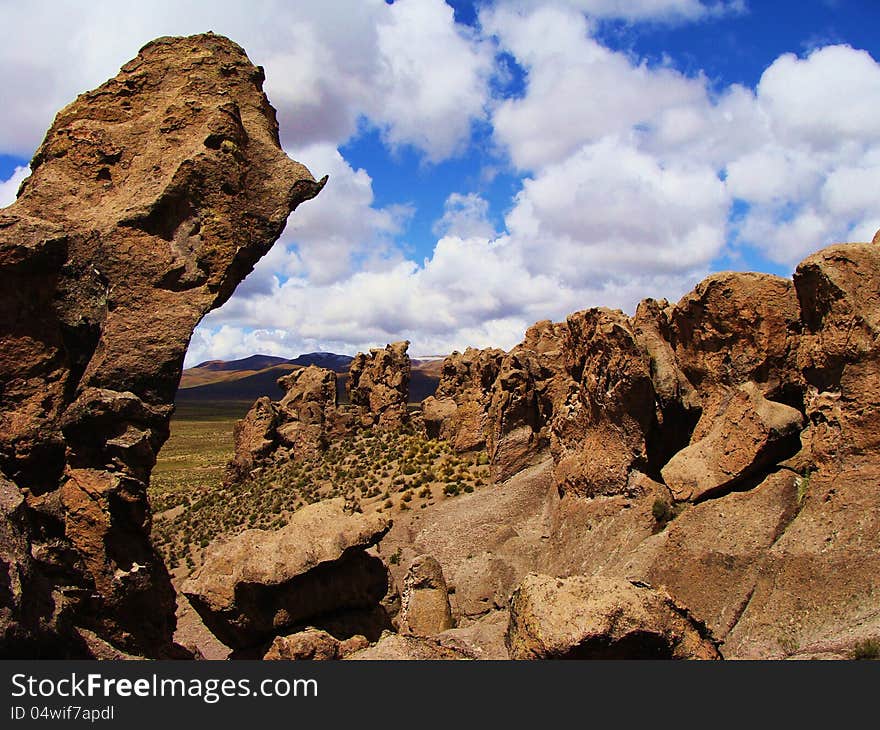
(262, 583)
(149, 200)
(747, 437)
(395, 647)
(601, 618)
(378, 385)
(425, 607)
(313, 644)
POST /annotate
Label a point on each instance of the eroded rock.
(749, 435)
(378, 385)
(150, 198)
(425, 609)
(313, 571)
(601, 618)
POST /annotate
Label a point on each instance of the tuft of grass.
(663, 511)
(865, 649)
(803, 485)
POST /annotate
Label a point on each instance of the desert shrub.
(866, 649)
(662, 510)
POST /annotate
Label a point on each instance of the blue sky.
(493, 164)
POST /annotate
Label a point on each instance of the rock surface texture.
(150, 199)
(378, 386)
(601, 618)
(424, 604)
(725, 448)
(315, 571)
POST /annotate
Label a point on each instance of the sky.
(493, 164)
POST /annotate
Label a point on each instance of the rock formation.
(315, 645)
(150, 198)
(300, 425)
(315, 571)
(424, 604)
(378, 386)
(747, 414)
(458, 409)
(601, 618)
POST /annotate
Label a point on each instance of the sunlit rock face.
(150, 199)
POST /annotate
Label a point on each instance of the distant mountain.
(254, 362)
(249, 378)
(248, 387)
(329, 360)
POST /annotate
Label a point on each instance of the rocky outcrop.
(601, 618)
(255, 438)
(150, 198)
(748, 435)
(529, 384)
(308, 408)
(725, 448)
(500, 401)
(424, 604)
(313, 645)
(458, 411)
(315, 571)
(301, 425)
(378, 386)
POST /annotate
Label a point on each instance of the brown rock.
(378, 384)
(458, 412)
(394, 647)
(308, 410)
(599, 434)
(711, 556)
(734, 328)
(149, 200)
(255, 437)
(530, 381)
(601, 618)
(259, 583)
(749, 435)
(311, 644)
(425, 607)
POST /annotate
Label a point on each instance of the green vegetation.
(866, 649)
(803, 485)
(663, 511)
(192, 505)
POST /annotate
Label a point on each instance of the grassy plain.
(379, 471)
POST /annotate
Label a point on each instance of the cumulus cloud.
(9, 187)
(642, 10)
(465, 216)
(812, 178)
(406, 68)
(578, 91)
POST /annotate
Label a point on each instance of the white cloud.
(9, 187)
(465, 216)
(813, 178)
(578, 90)
(406, 67)
(610, 210)
(645, 10)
